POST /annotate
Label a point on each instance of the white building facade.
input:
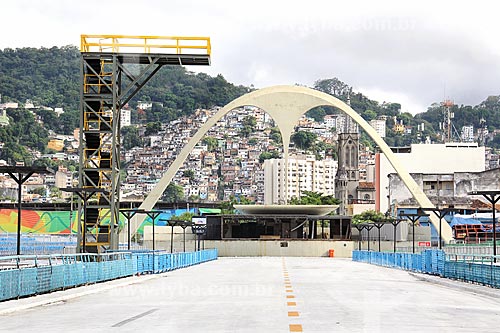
(429, 159)
(125, 118)
(467, 134)
(305, 173)
(379, 126)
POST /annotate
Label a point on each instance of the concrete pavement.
(262, 294)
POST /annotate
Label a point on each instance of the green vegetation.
(211, 143)
(187, 216)
(131, 138)
(51, 77)
(314, 198)
(189, 174)
(248, 126)
(275, 135)
(227, 207)
(487, 112)
(304, 140)
(368, 216)
(152, 128)
(173, 193)
(268, 155)
(22, 135)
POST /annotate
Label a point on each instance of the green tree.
(211, 143)
(227, 207)
(187, 216)
(304, 140)
(55, 192)
(275, 135)
(369, 115)
(248, 126)
(314, 198)
(253, 141)
(266, 155)
(189, 174)
(39, 190)
(152, 128)
(173, 193)
(368, 216)
(318, 114)
(131, 137)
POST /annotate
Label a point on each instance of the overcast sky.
(413, 53)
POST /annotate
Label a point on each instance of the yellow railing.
(145, 44)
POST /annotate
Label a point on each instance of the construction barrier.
(31, 275)
(37, 244)
(482, 269)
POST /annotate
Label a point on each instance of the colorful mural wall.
(64, 222)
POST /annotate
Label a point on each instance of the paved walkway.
(262, 295)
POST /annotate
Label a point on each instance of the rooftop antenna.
(448, 116)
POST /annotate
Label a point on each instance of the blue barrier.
(472, 268)
(31, 275)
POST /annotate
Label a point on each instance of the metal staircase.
(107, 86)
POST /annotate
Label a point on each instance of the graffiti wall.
(63, 222)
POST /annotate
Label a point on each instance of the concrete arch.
(286, 104)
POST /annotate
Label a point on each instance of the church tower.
(347, 178)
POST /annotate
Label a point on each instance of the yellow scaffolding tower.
(107, 86)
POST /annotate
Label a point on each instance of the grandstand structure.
(108, 83)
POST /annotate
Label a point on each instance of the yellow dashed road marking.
(295, 328)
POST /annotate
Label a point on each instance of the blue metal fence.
(481, 269)
(37, 244)
(30, 275)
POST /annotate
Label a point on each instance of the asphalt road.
(262, 295)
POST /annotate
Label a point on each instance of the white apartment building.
(336, 121)
(467, 134)
(379, 126)
(305, 173)
(63, 179)
(125, 117)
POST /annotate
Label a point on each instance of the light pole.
(359, 227)
(153, 214)
(129, 214)
(368, 227)
(379, 225)
(389, 177)
(413, 217)
(23, 174)
(184, 226)
(492, 196)
(440, 214)
(395, 222)
(172, 224)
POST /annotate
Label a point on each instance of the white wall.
(272, 248)
(433, 159)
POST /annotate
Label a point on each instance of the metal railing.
(428, 261)
(482, 269)
(37, 244)
(145, 44)
(35, 274)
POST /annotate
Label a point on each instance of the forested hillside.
(51, 77)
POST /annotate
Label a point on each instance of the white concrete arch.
(286, 104)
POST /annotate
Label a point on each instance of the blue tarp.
(461, 220)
